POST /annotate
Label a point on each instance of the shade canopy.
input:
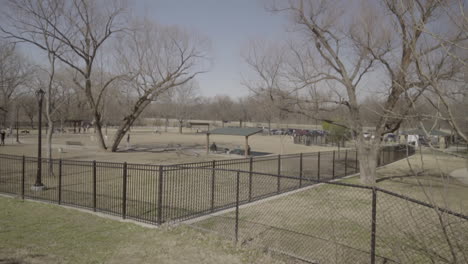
(235, 131)
(199, 124)
(421, 132)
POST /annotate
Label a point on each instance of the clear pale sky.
(229, 24)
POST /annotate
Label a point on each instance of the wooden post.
(207, 143)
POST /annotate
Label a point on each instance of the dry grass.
(40, 233)
(432, 183)
(332, 224)
(151, 148)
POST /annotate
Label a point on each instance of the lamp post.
(38, 186)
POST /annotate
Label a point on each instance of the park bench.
(73, 143)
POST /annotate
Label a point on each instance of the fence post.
(346, 163)
(22, 176)
(381, 157)
(160, 195)
(94, 185)
(279, 172)
(60, 182)
(300, 170)
(124, 191)
(374, 224)
(333, 166)
(318, 166)
(357, 164)
(250, 178)
(213, 175)
(236, 228)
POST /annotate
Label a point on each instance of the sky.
(229, 24)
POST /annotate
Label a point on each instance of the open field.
(39, 233)
(332, 223)
(433, 184)
(150, 148)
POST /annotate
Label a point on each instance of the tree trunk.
(368, 153)
(98, 131)
(95, 108)
(4, 117)
(269, 127)
(119, 135)
(166, 124)
(128, 122)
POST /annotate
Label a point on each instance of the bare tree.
(449, 95)
(37, 25)
(184, 98)
(245, 109)
(14, 73)
(29, 105)
(223, 108)
(82, 27)
(380, 42)
(160, 58)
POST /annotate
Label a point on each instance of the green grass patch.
(34, 232)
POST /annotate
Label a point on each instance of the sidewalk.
(461, 175)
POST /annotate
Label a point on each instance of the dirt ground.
(153, 148)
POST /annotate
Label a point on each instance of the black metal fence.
(331, 223)
(320, 140)
(157, 194)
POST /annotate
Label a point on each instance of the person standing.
(2, 137)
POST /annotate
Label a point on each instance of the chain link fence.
(343, 223)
